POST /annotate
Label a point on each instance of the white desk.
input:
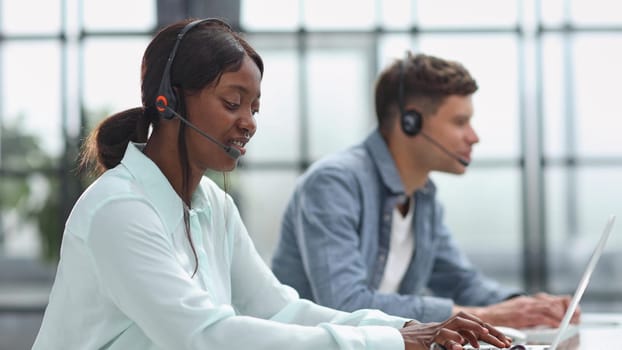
(600, 332)
(597, 331)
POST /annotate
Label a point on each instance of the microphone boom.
(231, 151)
(460, 160)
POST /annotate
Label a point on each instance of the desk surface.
(600, 331)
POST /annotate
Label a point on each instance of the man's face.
(450, 127)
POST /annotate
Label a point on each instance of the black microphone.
(231, 151)
(460, 160)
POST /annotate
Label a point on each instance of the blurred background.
(545, 176)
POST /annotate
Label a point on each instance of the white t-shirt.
(400, 250)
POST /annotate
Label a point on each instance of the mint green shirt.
(124, 280)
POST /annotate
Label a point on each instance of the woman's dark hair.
(426, 79)
(206, 51)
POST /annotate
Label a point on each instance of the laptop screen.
(572, 307)
(585, 279)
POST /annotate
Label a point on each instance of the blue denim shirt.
(335, 239)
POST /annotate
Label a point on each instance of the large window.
(63, 66)
(545, 175)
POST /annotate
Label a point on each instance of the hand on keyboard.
(458, 330)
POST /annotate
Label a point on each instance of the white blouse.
(124, 280)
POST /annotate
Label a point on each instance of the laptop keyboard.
(513, 347)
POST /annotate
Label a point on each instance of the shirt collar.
(157, 187)
(382, 158)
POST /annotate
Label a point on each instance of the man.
(364, 229)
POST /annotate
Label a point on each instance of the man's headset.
(412, 121)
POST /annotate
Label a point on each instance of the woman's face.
(225, 111)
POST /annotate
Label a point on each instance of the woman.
(155, 256)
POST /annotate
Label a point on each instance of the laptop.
(585, 279)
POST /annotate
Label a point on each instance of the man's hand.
(525, 311)
(458, 330)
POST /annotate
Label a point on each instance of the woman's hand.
(456, 331)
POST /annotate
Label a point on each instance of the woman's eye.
(232, 105)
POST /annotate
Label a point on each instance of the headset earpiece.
(166, 101)
(410, 120)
